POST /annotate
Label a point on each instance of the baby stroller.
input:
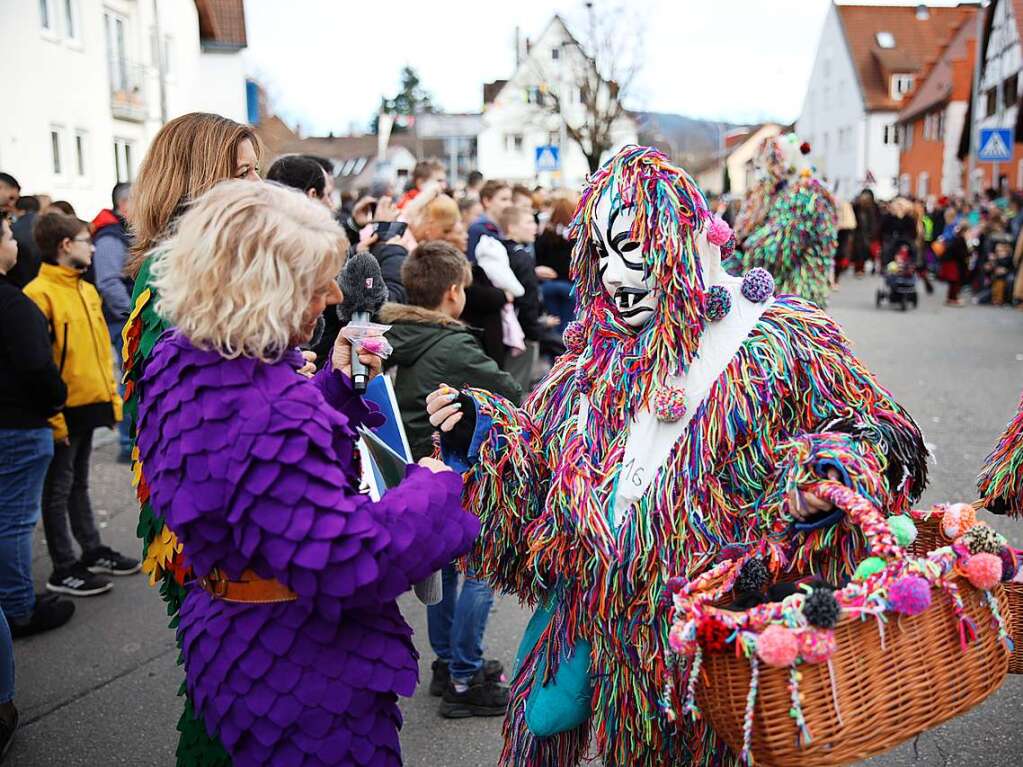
(898, 278)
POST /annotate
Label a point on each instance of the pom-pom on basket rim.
(930, 536)
(890, 678)
(884, 684)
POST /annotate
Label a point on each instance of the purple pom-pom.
(719, 303)
(758, 285)
(910, 595)
(575, 337)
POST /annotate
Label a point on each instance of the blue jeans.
(456, 624)
(6, 662)
(24, 458)
(558, 300)
(123, 428)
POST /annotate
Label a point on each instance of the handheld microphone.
(364, 291)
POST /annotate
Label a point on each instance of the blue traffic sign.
(548, 158)
(995, 145)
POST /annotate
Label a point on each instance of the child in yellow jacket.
(82, 352)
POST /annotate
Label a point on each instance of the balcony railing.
(127, 90)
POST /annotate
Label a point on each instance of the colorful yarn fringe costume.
(1001, 478)
(254, 467)
(548, 480)
(788, 222)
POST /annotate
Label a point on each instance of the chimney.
(922, 13)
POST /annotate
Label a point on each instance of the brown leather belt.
(250, 588)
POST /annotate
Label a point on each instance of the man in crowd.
(112, 241)
(495, 196)
(10, 191)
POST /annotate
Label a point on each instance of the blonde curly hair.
(243, 265)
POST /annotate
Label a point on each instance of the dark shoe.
(106, 561)
(493, 670)
(48, 614)
(482, 698)
(8, 725)
(77, 581)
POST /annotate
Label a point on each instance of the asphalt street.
(102, 690)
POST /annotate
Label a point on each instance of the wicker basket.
(887, 681)
(920, 679)
(929, 536)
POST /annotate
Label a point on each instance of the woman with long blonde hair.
(293, 645)
(189, 156)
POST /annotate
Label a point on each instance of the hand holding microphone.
(360, 347)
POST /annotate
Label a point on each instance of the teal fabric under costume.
(566, 701)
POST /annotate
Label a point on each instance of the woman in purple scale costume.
(294, 648)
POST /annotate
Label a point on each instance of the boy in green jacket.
(432, 347)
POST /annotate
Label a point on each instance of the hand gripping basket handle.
(862, 514)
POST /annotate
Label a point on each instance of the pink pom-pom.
(778, 646)
(718, 231)
(984, 570)
(817, 645)
(676, 640)
(910, 595)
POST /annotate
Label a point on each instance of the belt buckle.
(215, 586)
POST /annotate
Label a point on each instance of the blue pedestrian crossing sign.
(995, 145)
(548, 159)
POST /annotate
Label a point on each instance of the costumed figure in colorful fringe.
(1001, 478)
(293, 645)
(647, 449)
(788, 222)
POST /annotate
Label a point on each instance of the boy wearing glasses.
(82, 352)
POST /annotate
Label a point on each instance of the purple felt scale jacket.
(253, 466)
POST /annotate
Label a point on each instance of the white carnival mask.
(621, 264)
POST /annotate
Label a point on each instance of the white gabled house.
(83, 119)
(517, 115)
(868, 58)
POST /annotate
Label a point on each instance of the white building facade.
(867, 62)
(85, 117)
(520, 119)
(847, 142)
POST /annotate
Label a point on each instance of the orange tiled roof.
(937, 84)
(917, 41)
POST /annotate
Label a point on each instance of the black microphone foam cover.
(363, 287)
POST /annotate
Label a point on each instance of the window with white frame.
(904, 135)
(47, 22)
(901, 85)
(164, 47)
(70, 19)
(115, 29)
(513, 142)
(904, 182)
(56, 147)
(123, 163)
(81, 154)
(890, 134)
(921, 185)
(1019, 174)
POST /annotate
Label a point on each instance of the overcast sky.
(327, 62)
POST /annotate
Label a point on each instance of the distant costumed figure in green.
(788, 222)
